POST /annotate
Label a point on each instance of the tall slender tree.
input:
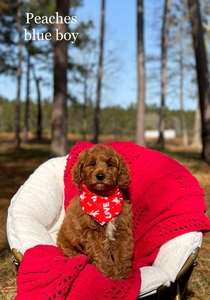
(164, 44)
(202, 75)
(27, 102)
(99, 76)
(140, 116)
(39, 104)
(19, 71)
(197, 128)
(59, 111)
(181, 66)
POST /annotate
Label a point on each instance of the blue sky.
(120, 22)
(121, 34)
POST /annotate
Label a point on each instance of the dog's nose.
(100, 176)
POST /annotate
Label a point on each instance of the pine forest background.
(92, 69)
(123, 124)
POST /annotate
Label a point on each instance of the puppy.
(98, 221)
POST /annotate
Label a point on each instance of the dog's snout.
(100, 176)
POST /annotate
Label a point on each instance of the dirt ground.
(15, 167)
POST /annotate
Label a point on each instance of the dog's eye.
(92, 164)
(110, 165)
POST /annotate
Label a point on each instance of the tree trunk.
(84, 121)
(99, 77)
(197, 129)
(18, 102)
(165, 29)
(181, 66)
(26, 127)
(39, 106)
(140, 115)
(202, 75)
(59, 110)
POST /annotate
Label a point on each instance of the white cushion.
(174, 253)
(169, 261)
(151, 279)
(36, 210)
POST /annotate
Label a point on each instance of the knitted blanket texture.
(167, 202)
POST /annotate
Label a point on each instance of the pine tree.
(140, 116)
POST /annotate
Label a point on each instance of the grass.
(15, 167)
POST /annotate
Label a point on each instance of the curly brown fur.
(109, 247)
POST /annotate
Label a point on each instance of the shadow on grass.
(24, 154)
(17, 166)
(178, 152)
(182, 154)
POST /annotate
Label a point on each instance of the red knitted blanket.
(167, 202)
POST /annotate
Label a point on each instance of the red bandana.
(101, 209)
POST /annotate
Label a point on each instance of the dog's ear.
(124, 174)
(77, 170)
